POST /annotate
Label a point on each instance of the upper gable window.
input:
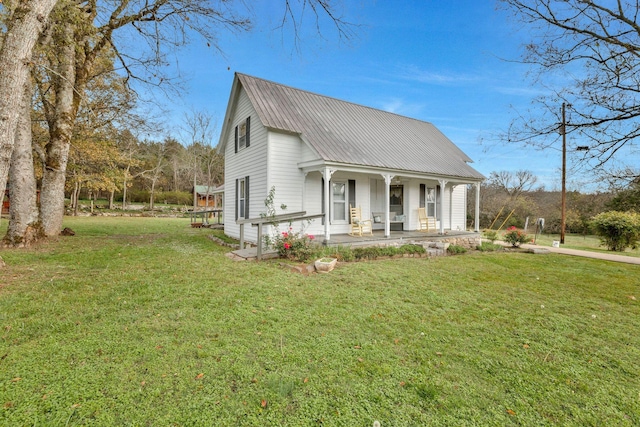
(243, 130)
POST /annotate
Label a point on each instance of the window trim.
(431, 203)
(242, 198)
(343, 201)
(242, 141)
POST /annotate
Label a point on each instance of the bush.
(456, 249)
(617, 230)
(293, 245)
(341, 253)
(137, 196)
(516, 237)
(489, 247)
(412, 249)
(176, 198)
(491, 235)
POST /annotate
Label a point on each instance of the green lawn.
(581, 242)
(144, 321)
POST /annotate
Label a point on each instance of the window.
(242, 134)
(430, 199)
(339, 201)
(242, 198)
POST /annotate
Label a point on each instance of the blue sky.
(446, 62)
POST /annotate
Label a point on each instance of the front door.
(396, 207)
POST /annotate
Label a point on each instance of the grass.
(144, 321)
(582, 242)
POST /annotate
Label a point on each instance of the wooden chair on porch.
(358, 225)
(426, 222)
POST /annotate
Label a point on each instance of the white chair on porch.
(426, 222)
(358, 225)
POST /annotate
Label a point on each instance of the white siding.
(313, 202)
(307, 154)
(284, 174)
(284, 153)
(250, 161)
(459, 204)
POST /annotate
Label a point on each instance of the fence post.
(259, 242)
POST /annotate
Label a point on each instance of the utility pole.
(563, 130)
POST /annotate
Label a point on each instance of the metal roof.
(349, 133)
(203, 189)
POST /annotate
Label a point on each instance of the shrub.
(293, 245)
(617, 230)
(371, 253)
(456, 249)
(491, 235)
(488, 247)
(177, 197)
(341, 253)
(412, 249)
(516, 237)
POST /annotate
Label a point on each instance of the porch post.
(477, 219)
(304, 192)
(387, 207)
(443, 184)
(326, 173)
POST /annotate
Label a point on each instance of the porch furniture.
(426, 222)
(396, 222)
(359, 226)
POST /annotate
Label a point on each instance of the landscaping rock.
(538, 250)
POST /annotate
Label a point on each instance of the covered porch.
(394, 201)
(396, 238)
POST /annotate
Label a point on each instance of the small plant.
(413, 249)
(342, 253)
(491, 235)
(516, 236)
(293, 245)
(290, 244)
(456, 249)
(488, 247)
(618, 230)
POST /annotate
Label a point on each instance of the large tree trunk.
(152, 194)
(24, 226)
(124, 194)
(60, 131)
(23, 29)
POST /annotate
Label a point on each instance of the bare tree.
(593, 47)
(514, 184)
(199, 128)
(155, 156)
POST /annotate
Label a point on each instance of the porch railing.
(275, 219)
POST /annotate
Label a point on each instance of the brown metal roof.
(348, 133)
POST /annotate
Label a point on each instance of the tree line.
(511, 198)
(70, 66)
(68, 69)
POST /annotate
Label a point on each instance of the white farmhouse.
(323, 155)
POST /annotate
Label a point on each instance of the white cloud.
(399, 106)
(413, 73)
